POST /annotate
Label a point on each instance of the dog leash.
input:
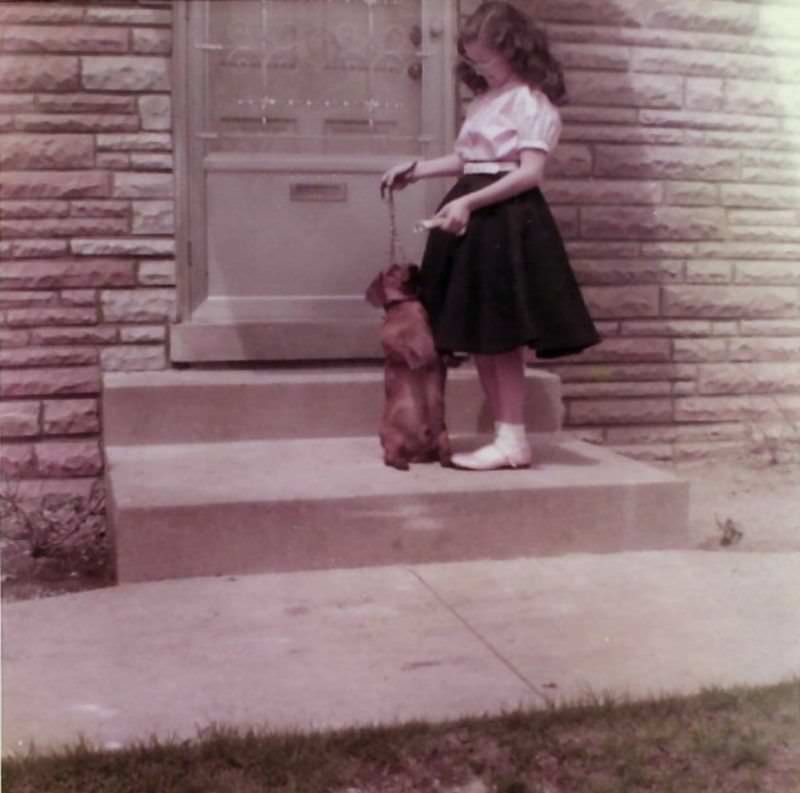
(394, 242)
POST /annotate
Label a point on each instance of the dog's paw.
(397, 462)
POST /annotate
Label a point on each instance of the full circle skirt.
(505, 283)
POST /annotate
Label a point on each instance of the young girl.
(495, 275)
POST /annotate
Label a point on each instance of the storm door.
(289, 111)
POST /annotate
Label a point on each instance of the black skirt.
(506, 282)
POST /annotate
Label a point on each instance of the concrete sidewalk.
(345, 647)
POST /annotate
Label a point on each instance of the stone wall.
(86, 223)
(677, 185)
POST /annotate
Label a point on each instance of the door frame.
(197, 339)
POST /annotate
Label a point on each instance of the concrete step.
(284, 505)
(219, 405)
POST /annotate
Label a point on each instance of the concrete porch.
(228, 471)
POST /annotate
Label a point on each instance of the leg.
(505, 374)
(487, 373)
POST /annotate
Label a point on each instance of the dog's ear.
(375, 294)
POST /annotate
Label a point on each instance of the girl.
(495, 275)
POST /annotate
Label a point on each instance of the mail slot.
(318, 191)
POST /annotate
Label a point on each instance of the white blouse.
(500, 123)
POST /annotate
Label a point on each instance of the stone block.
(628, 271)
(603, 191)
(709, 272)
(754, 378)
(14, 210)
(699, 350)
(71, 335)
(622, 302)
(36, 13)
(40, 122)
(28, 299)
(32, 249)
(666, 162)
(704, 93)
(668, 328)
(19, 419)
(21, 383)
(68, 458)
(635, 135)
(733, 301)
(765, 349)
(152, 162)
(143, 334)
(746, 96)
(71, 417)
(722, 124)
(153, 217)
(54, 184)
(604, 249)
(109, 15)
(99, 209)
(20, 357)
(46, 152)
(94, 103)
(142, 141)
(121, 73)
(759, 217)
(770, 327)
(653, 223)
(621, 372)
(63, 227)
(570, 160)
(53, 74)
(143, 305)
(67, 273)
(760, 196)
(78, 297)
(51, 315)
(133, 358)
(113, 161)
(144, 185)
(616, 390)
(620, 411)
(13, 338)
(157, 272)
(627, 90)
(62, 39)
(149, 41)
(710, 17)
(720, 249)
(768, 234)
(691, 194)
(749, 408)
(629, 350)
(155, 112)
(141, 246)
(17, 460)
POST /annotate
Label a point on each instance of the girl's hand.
(452, 217)
(398, 177)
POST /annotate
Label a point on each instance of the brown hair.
(506, 30)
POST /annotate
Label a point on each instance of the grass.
(720, 741)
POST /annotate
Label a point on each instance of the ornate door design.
(290, 112)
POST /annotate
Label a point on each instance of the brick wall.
(676, 184)
(86, 223)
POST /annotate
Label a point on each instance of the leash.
(394, 242)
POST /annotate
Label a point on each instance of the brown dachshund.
(413, 428)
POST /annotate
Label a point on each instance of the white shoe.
(509, 450)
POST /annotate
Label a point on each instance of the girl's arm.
(453, 217)
(397, 177)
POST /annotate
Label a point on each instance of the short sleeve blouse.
(500, 123)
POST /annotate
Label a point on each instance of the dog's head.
(399, 282)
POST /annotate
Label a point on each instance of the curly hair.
(505, 29)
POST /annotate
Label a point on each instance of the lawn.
(720, 741)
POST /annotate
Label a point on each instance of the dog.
(413, 429)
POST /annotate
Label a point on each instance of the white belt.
(489, 166)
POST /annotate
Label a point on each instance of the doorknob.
(415, 71)
(415, 35)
